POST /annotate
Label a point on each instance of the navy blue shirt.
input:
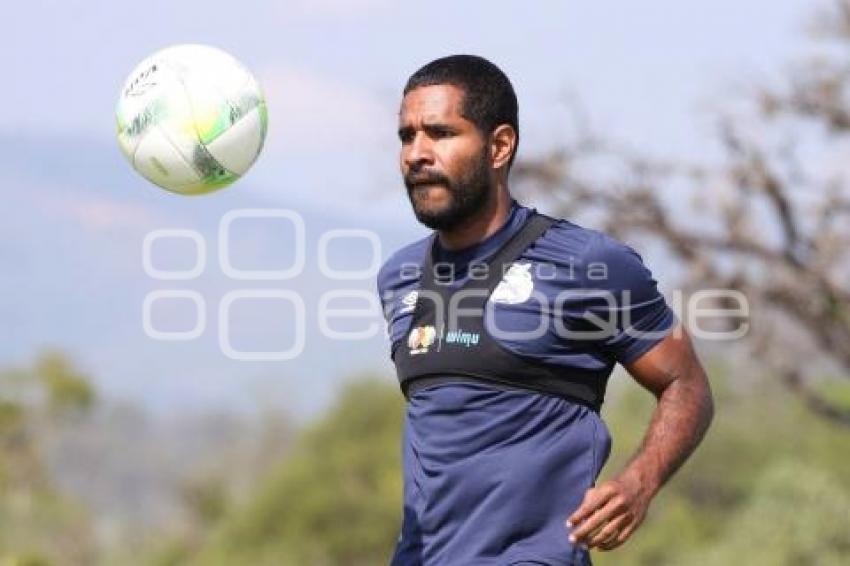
(491, 474)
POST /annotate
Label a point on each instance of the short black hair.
(489, 99)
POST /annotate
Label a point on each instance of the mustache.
(425, 178)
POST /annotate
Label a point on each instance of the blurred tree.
(769, 486)
(39, 525)
(207, 497)
(771, 219)
(336, 499)
(66, 389)
(797, 514)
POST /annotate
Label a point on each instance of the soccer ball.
(191, 119)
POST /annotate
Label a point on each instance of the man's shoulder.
(579, 243)
(397, 269)
(598, 258)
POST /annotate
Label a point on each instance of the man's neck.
(487, 222)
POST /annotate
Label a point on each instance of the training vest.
(436, 353)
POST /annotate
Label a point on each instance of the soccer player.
(505, 326)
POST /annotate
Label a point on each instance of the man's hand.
(610, 513)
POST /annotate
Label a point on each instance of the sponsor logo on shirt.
(516, 285)
(467, 339)
(420, 339)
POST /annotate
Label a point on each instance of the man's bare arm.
(611, 511)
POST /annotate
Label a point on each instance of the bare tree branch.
(786, 228)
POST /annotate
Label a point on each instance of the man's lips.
(425, 180)
(423, 183)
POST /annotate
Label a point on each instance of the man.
(505, 326)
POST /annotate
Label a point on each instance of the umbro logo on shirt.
(409, 302)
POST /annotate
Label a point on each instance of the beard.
(467, 195)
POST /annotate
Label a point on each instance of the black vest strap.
(516, 244)
(442, 360)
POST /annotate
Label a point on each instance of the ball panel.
(197, 57)
(204, 187)
(181, 128)
(207, 166)
(160, 162)
(178, 124)
(211, 112)
(151, 75)
(238, 147)
(127, 145)
(212, 65)
(144, 105)
(232, 80)
(251, 99)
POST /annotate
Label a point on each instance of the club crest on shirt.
(421, 338)
(516, 285)
(408, 302)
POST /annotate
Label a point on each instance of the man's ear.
(503, 142)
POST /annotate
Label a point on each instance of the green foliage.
(66, 389)
(39, 525)
(335, 500)
(770, 483)
(208, 499)
(10, 416)
(33, 559)
(797, 514)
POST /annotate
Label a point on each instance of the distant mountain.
(71, 232)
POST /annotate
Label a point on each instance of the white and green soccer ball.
(191, 119)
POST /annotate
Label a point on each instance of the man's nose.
(419, 152)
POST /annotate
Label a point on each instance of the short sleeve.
(624, 300)
(389, 285)
(396, 283)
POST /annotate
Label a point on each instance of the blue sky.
(76, 215)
